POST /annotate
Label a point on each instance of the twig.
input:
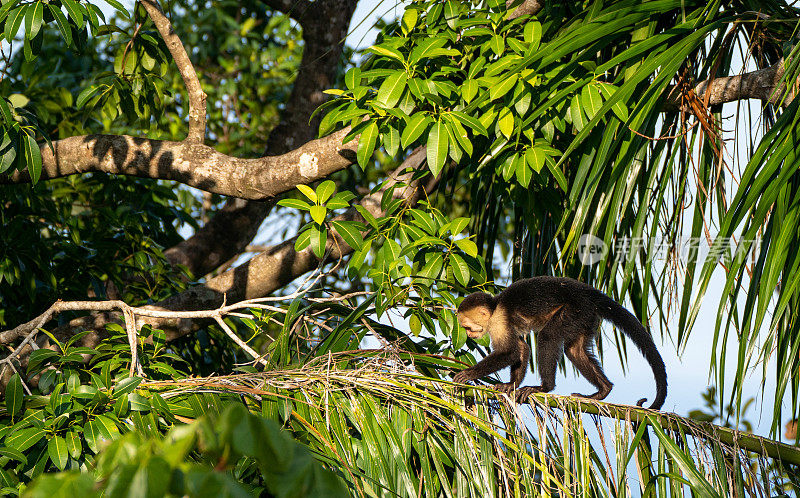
(235, 338)
(197, 98)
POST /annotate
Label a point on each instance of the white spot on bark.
(309, 165)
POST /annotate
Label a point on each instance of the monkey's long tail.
(633, 328)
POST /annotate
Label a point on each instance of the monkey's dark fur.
(565, 316)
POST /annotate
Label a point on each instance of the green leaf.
(14, 21)
(94, 436)
(303, 240)
(392, 89)
(457, 225)
(308, 192)
(523, 171)
(6, 8)
(497, 44)
(469, 90)
(325, 190)
(415, 126)
(386, 51)
(13, 454)
(391, 140)
(340, 200)
(5, 112)
(352, 78)
(533, 34)
(366, 144)
(437, 147)
(318, 240)
(509, 167)
(74, 445)
(502, 88)
(410, 17)
(468, 246)
(350, 231)
(138, 403)
(294, 204)
(120, 8)
(33, 157)
(460, 134)
(506, 122)
(521, 99)
(367, 216)
(619, 109)
(460, 269)
(86, 94)
(75, 11)
(454, 140)
(429, 48)
(590, 98)
(14, 394)
(57, 449)
(451, 10)
(126, 385)
(23, 439)
(558, 175)
(318, 214)
(535, 157)
(415, 324)
(62, 22)
(8, 153)
(578, 117)
(470, 121)
(433, 266)
(33, 20)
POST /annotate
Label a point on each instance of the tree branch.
(763, 84)
(526, 8)
(235, 225)
(194, 164)
(262, 275)
(196, 96)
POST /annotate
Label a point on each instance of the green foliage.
(538, 131)
(214, 456)
(115, 227)
(315, 234)
(72, 19)
(446, 79)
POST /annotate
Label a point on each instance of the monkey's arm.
(518, 369)
(495, 361)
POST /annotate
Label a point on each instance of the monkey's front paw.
(462, 377)
(507, 387)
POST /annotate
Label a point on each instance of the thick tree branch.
(526, 8)
(197, 98)
(262, 275)
(221, 238)
(194, 164)
(764, 84)
(235, 225)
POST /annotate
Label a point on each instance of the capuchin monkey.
(565, 316)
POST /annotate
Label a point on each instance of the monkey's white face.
(474, 321)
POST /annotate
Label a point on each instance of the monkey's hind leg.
(548, 351)
(581, 355)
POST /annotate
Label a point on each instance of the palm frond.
(389, 431)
